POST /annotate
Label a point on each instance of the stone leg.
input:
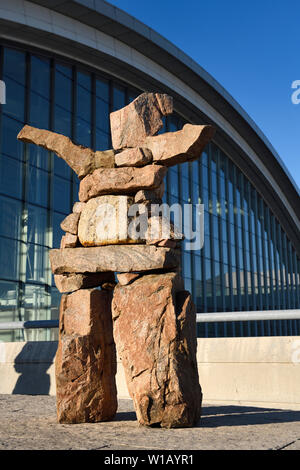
(155, 334)
(85, 363)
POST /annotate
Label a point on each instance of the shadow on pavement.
(125, 416)
(216, 416)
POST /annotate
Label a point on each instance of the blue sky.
(250, 48)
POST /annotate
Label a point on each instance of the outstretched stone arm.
(81, 159)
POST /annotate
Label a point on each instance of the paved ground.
(29, 422)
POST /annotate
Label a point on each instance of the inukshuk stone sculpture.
(148, 314)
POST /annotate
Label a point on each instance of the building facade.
(66, 66)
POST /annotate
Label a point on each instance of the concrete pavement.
(29, 422)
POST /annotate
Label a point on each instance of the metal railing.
(20, 325)
(200, 318)
(248, 316)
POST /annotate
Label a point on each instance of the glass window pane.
(14, 65)
(118, 97)
(63, 87)
(36, 303)
(173, 181)
(62, 195)
(39, 157)
(14, 75)
(187, 272)
(185, 190)
(40, 76)
(10, 217)
(9, 258)
(57, 231)
(8, 301)
(62, 121)
(37, 225)
(132, 95)
(10, 145)
(102, 89)
(61, 168)
(15, 99)
(37, 189)
(10, 177)
(39, 111)
(84, 97)
(37, 263)
(55, 302)
(102, 115)
(83, 133)
(102, 140)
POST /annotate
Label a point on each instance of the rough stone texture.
(81, 159)
(139, 119)
(187, 144)
(70, 223)
(134, 157)
(127, 278)
(161, 229)
(157, 346)
(160, 190)
(72, 282)
(126, 180)
(104, 221)
(78, 207)
(85, 362)
(69, 241)
(113, 258)
(146, 195)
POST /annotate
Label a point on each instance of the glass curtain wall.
(246, 263)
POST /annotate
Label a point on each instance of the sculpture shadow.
(218, 416)
(125, 416)
(32, 363)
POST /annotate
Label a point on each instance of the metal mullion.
(203, 270)
(286, 269)
(266, 294)
(289, 254)
(192, 255)
(221, 241)
(212, 248)
(258, 258)
(276, 268)
(297, 286)
(250, 237)
(93, 111)
(243, 193)
(292, 298)
(237, 253)
(229, 242)
(50, 189)
(25, 165)
(110, 105)
(283, 302)
(287, 279)
(270, 263)
(73, 127)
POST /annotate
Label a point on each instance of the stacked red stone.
(147, 314)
